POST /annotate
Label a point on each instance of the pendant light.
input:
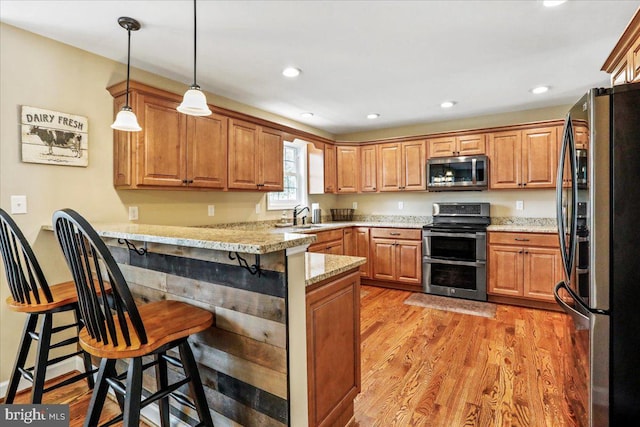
(194, 102)
(126, 120)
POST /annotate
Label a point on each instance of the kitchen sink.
(306, 227)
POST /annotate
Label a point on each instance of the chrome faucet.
(297, 212)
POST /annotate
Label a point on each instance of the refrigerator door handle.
(581, 321)
(567, 249)
(570, 310)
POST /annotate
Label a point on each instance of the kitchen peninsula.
(260, 361)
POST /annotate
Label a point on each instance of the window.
(295, 188)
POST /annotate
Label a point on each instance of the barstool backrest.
(107, 319)
(24, 275)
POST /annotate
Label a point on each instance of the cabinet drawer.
(397, 233)
(327, 236)
(524, 239)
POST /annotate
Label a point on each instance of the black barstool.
(116, 328)
(31, 294)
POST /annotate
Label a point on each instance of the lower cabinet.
(333, 350)
(524, 265)
(396, 256)
(328, 242)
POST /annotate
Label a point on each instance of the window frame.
(300, 176)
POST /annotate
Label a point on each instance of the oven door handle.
(428, 233)
(429, 260)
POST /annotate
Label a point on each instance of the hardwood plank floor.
(425, 367)
(77, 396)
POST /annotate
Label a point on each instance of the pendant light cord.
(126, 102)
(195, 31)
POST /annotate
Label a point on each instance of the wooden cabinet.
(347, 164)
(333, 350)
(624, 61)
(255, 157)
(448, 146)
(172, 150)
(349, 241)
(396, 256)
(402, 166)
(524, 265)
(328, 242)
(362, 249)
(524, 158)
(330, 169)
(368, 168)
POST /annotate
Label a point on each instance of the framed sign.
(54, 138)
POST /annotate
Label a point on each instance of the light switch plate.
(258, 208)
(211, 210)
(18, 204)
(133, 213)
(400, 205)
(519, 205)
(355, 205)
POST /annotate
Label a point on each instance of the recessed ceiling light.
(553, 3)
(540, 89)
(448, 104)
(373, 116)
(307, 114)
(291, 72)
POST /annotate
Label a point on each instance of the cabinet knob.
(524, 185)
(184, 181)
(520, 252)
(374, 188)
(190, 181)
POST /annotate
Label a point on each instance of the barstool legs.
(107, 369)
(42, 358)
(29, 328)
(195, 385)
(162, 382)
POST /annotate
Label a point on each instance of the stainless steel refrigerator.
(599, 230)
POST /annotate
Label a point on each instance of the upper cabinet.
(172, 150)
(524, 158)
(624, 61)
(449, 146)
(330, 169)
(348, 161)
(368, 168)
(401, 166)
(255, 157)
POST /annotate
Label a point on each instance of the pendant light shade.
(194, 102)
(126, 120)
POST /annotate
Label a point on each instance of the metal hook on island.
(253, 269)
(132, 247)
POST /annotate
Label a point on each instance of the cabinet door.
(505, 149)
(270, 162)
(333, 323)
(347, 162)
(207, 151)
(162, 144)
(383, 259)
(409, 262)
(542, 270)
(389, 167)
(243, 155)
(362, 249)
(335, 247)
(330, 174)
(124, 146)
(505, 270)
(349, 241)
(539, 157)
(368, 168)
(413, 165)
(470, 145)
(442, 147)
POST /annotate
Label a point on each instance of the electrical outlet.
(211, 210)
(355, 205)
(133, 213)
(258, 208)
(519, 205)
(18, 204)
(400, 205)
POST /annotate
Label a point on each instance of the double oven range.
(454, 248)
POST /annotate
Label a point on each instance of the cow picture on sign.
(54, 138)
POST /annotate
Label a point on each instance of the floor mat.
(458, 305)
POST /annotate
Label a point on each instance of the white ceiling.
(397, 58)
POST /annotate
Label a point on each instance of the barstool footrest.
(173, 361)
(26, 373)
(62, 328)
(68, 341)
(183, 400)
(70, 380)
(34, 336)
(64, 357)
(169, 391)
(117, 386)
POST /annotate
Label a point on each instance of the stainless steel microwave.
(458, 173)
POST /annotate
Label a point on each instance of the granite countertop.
(251, 242)
(524, 228)
(314, 228)
(319, 267)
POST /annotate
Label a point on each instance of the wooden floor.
(425, 367)
(77, 396)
